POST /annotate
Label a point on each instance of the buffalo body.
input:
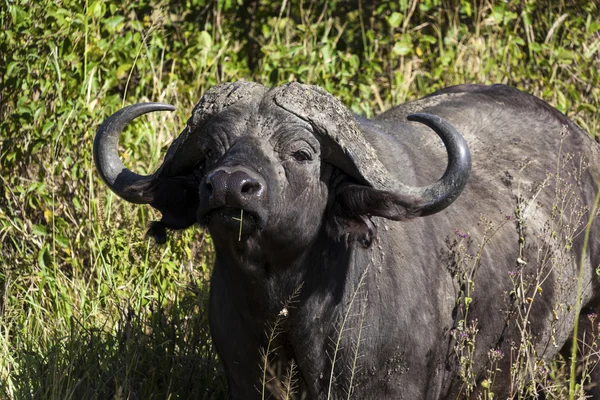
(352, 264)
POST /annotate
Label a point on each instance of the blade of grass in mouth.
(241, 219)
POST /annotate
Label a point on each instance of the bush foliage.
(92, 308)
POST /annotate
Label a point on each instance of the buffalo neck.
(264, 286)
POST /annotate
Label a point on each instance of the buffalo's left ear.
(358, 200)
(377, 193)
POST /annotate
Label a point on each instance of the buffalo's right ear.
(354, 204)
(177, 199)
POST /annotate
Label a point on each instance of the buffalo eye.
(302, 155)
(208, 153)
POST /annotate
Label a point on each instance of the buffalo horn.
(352, 153)
(125, 183)
(441, 194)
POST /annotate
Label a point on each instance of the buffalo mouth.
(232, 219)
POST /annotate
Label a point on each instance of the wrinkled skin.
(343, 256)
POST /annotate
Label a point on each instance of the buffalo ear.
(344, 135)
(178, 200)
(355, 204)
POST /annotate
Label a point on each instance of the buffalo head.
(276, 166)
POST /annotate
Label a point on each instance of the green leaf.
(123, 70)
(39, 230)
(205, 40)
(466, 8)
(535, 47)
(428, 39)
(23, 105)
(587, 107)
(47, 126)
(42, 257)
(62, 241)
(112, 23)
(402, 48)
(19, 16)
(97, 9)
(395, 19)
(11, 67)
(519, 41)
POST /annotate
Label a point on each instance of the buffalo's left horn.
(441, 194)
(353, 154)
(125, 183)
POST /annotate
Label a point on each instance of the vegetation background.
(89, 306)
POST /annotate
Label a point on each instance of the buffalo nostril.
(233, 188)
(250, 187)
(209, 186)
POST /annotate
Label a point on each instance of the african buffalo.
(323, 263)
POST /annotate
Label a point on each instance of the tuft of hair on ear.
(349, 215)
(348, 230)
(157, 231)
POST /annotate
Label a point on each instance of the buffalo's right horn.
(125, 183)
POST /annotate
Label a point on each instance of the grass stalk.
(586, 238)
(355, 356)
(273, 333)
(342, 328)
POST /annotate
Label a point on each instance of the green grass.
(92, 308)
